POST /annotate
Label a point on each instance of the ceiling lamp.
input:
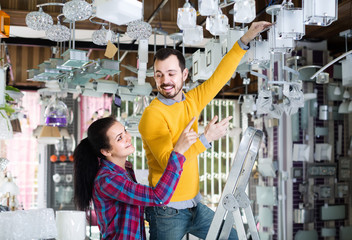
(208, 7)
(320, 12)
(102, 36)
(139, 30)
(193, 36)
(259, 52)
(244, 11)
(119, 12)
(347, 71)
(290, 22)
(39, 20)
(56, 114)
(217, 24)
(186, 16)
(343, 108)
(77, 10)
(58, 33)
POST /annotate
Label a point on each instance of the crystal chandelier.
(139, 30)
(102, 36)
(58, 33)
(39, 20)
(77, 10)
(244, 11)
(217, 24)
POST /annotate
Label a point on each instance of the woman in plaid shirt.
(103, 175)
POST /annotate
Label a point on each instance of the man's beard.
(169, 95)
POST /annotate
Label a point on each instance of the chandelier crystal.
(139, 30)
(77, 10)
(58, 33)
(39, 20)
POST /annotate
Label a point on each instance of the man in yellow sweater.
(162, 123)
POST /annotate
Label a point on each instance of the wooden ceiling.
(163, 14)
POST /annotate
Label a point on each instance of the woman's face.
(120, 142)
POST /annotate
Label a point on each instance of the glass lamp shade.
(9, 187)
(343, 108)
(208, 7)
(217, 24)
(320, 12)
(346, 94)
(277, 44)
(102, 36)
(39, 20)
(139, 30)
(58, 33)
(322, 78)
(259, 52)
(193, 35)
(264, 101)
(290, 23)
(77, 10)
(244, 11)
(248, 104)
(5, 126)
(186, 17)
(56, 114)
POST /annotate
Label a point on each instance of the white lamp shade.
(217, 24)
(347, 71)
(259, 52)
(208, 7)
(244, 11)
(186, 18)
(350, 107)
(71, 225)
(337, 91)
(320, 12)
(290, 23)
(346, 94)
(343, 108)
(279, 44)
(9, 187)
(193, 36)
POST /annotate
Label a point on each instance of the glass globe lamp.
(39, 20)
(102, 36)
(58, 33)
(139, 30)
(77, 10)
(56, 114)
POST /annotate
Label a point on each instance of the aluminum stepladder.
(233, 197)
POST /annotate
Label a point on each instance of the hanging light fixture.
(208, 7)
(58, 32)
(139, 30)
(39, 20)
(56, 114)
(193, 36)
(320, 12)
(77, 10)
(290, 22)
(217, 24)
(244, 11)
(186, 16)
(102, 36)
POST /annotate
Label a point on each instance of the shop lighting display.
(56, 114)
(139, 30)
(193, 36)
(290, 22)
(102, 36)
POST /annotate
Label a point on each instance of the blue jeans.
(167, 223)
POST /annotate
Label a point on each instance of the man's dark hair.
(164, 53)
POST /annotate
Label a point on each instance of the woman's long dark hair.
(86, 162)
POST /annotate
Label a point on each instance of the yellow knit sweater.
(161, 126)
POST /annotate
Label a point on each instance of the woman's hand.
(186, 139)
